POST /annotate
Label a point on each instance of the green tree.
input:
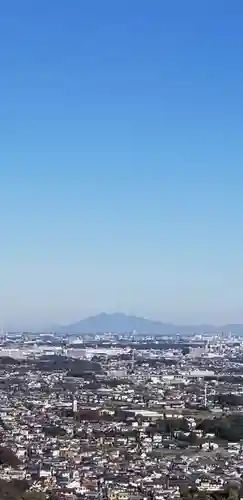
(33, 495)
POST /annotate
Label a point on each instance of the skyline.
(119, 322)
(120, 161)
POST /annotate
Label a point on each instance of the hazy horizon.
(36, 325)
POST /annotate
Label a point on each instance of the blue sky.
(121, 160)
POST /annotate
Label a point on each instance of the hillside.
(121, 323)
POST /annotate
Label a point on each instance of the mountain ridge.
(123, 323)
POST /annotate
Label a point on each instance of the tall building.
(75, 405)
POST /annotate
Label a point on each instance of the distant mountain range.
(122, 323)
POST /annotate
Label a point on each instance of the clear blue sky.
(121, 160)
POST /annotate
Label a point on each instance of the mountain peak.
(119, 322)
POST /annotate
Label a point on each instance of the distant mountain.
(122, 323)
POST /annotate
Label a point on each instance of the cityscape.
(121, 416)
(121, 276)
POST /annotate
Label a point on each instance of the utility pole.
(205, 395)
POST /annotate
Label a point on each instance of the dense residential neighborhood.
(121, 418)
